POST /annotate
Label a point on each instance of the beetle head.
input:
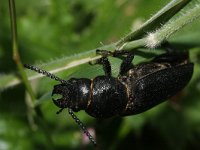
(70, 95)
(63, 90)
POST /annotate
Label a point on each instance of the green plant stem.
(156, 21)
(133, 44)
(157, 37)
(16, 56)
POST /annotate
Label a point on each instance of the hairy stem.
(154, 39)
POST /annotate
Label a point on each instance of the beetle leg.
(119, 53)
(106, 65)
(104, 53)
(116, 53)
(104, 61)
(126, 64)
(171, 56)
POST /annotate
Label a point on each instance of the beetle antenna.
(81, 125)
(48, 74)
(59, 111)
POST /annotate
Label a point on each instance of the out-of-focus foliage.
(50, 29)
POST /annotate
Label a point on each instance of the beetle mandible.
(136, 89)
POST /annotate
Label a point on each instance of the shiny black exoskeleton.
(136, 89)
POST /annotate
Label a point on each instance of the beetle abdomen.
(108, 97)
(158, 86)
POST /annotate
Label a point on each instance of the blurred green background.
(48, 30)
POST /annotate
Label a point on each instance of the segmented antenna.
(48, 74)
(81, 125)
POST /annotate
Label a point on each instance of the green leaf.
(156, 21)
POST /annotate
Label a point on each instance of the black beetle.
(136, 89)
